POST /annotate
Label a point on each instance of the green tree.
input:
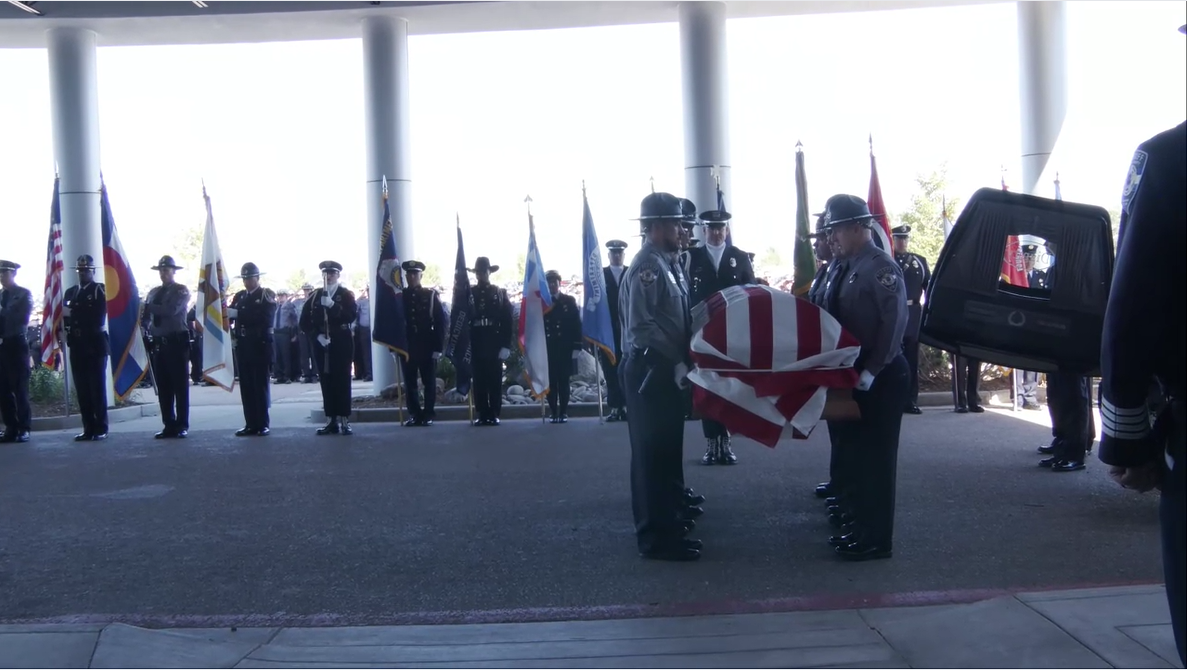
(769, 260)
(358, 280)
(296, 280)
(187, 247)
(521, 266)
(924, 214)
(432, 275)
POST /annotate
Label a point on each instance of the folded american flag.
(765, 360)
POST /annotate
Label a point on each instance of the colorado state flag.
(129, 359)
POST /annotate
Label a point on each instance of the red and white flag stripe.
(51, 314)
(765, 361)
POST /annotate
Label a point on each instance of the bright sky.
(276, 130)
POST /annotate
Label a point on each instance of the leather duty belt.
(483, 323)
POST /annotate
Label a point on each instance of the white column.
(74, 110)
(74, 104)
(706, 110)
(385, 93)
(1042, 78)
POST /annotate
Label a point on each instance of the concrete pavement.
(1124, 627)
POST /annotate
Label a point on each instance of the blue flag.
(457, 349)
(129, 358)
(387, 305)
(595, 318)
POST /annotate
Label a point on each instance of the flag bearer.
(870, 301)
(253, 311)
(326, 319)
(612, 280)
(164, 312)
(562, 333)
(490, 342)
(427, 327)
(16, 305)
(84, 314)
(916, 276)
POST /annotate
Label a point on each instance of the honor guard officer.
(164, 312)
(253, 311)
(326, 318)
(688, 223)
(612, 279)
(84, 314)
(16, 305)
(713, 267)
(1035, 278)
(284, 335)
(834, 490)
(490, 342)
(824, 255)
(916, 276)
(427, 328)
(654, 306)
(1142, 346)
(562, 334)
(870, 301)
(305, 365)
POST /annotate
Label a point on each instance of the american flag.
(765, 361)
(51, 314)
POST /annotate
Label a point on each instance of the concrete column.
(385, 94)
(1042, 77)
(74, 105)
(706, 110)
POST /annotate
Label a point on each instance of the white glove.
(865, 381)
(681, 376)
(436, 355)
(65, 311)
(327, 301)
(324, 340)
(576, 356)
(232, 313)
(504, 354)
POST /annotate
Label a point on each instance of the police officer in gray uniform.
(164, 313)
(869, 299)
(253, 311)
(654, 308)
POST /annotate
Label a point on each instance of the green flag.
(805, 259)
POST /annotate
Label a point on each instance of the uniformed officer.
(362, 337)
(1142, 346)
(833, 490)
(16, 305)
(326, 318)
(656, 331)
(688, 241)
(713, 267)
(253, 311)
(612, 278)
(195, 334)
(427, 328)
(966, 385)
(870, 301)
(490, 342)
(164, 312)
(284, 333)
(1036, 279)
(84, 314)
(916, 276)
(306, 366)
(562, 334)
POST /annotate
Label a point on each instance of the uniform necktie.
(834, 287)
(156, 318)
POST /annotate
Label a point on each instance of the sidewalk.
(1093, 628)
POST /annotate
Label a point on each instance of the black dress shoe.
(1047, 462)
(98, 437)
(83, 437)
(679, 552)
(838, 520)
(479, 422)
(612, 417)
(976, 409)
(493, 422)
(912, 409)
(693, 544)
(691, 513)
(345, 429)
(181, 434)
(1046, 449)
(860, 551)
(410, 422)
(726, 455)
(693, 499)
(1064, 465)
(330, 428)
(264, 431)
(842, 540)
(164, 434)
(688, 525)
(837, 509)
(426, 422)
(961, 410)
(554, 419)
(22, 436)
(834, 500)
(825, 490)
(564, 418)
(245, 432)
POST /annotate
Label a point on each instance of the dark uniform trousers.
(657, 445)
(872, 447)
(560, 370)
(488, 373)
(88, 367)
(614, 396)
(195, 356)
(1030, 387)
(911, 353)
(840, 458)
(335, 380)
(307, 363)
(14, 385)
(362, 351)
(282, 346)
(254, 351)
(1072, 425)
(966, 383)
(421, 367)
(169, 358)
(1174, 521)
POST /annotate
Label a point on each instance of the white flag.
(218, 362)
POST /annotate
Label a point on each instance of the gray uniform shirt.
(871, 303)
(653, 305)
(165, 308)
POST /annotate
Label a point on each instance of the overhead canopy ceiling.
(182, 22)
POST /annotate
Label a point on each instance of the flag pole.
(65, 377)
(543, 409)
(470, 401)
(598, 383)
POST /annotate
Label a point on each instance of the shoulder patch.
(1133, 179)
(647, 276)
(887, 278)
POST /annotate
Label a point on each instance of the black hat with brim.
(166, 262)
(901, 231)
(552, 275)
(660, 207)
(249, 270)
(482, 263)
(689, 210)
(843, 209)
(413, 266)
(616, 245)
(9, 266)
(330, 266)
(85, 262)
(716, 217)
